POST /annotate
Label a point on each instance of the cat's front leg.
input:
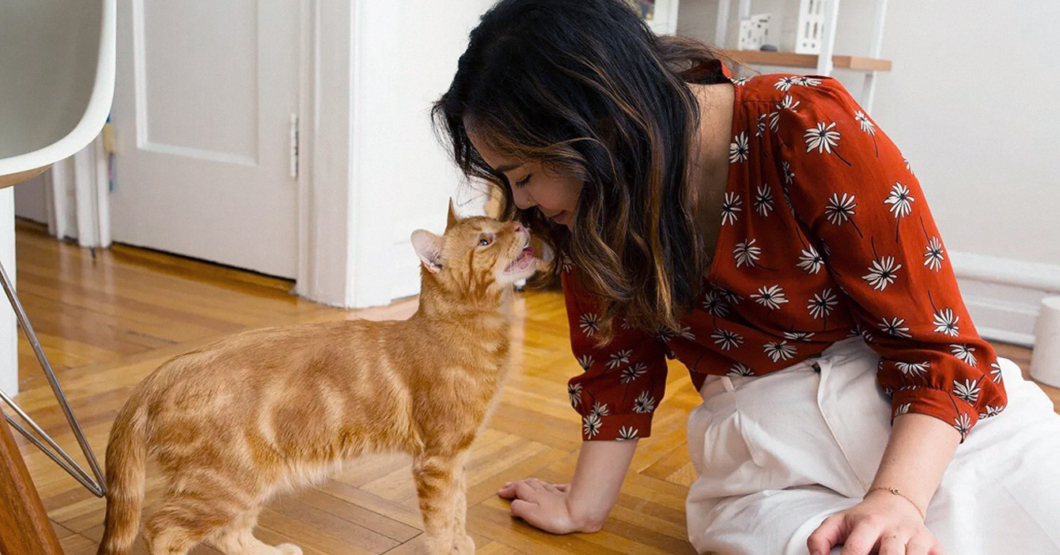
(438, 486)
(462, 543)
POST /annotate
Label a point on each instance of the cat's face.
(477, 252)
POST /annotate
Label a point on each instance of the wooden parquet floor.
(107, 322)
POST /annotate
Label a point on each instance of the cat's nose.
(519, 228)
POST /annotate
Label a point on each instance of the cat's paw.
(464, 547)
(289, 549)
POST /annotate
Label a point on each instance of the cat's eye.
(485, 240)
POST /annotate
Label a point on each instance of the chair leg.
(24, 526)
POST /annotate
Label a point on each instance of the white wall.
(405, 54)
(970, 103)
(29, 200)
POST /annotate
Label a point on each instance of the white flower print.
(963, 423)
(600, 409)
(585, 361)
(964, 353)
(591, 425)
(865, 123)
(739, 148)
(764, 200)
(619, 358)
(822, 304)
(589, 324)
(729, 208)
(770, 297)
(643, 403)
(788, 103)
(995, 372)
(785, 83)
(633, 372)
(895, 327)
(908, 167)
(823, 138)
(839, 210)
(714, 304)
(799, 335)
(739, 369)
(992, 411)
(969, 391)
(686, 333)
(779, 351)
(933, 257)
(900, 200)
(741, 81)
(665, 334)
(810, 260)
(789, 176)
(730, 297)
(912, 368)
(574, 391)
(565, 264)
(946, 322)
(882, 273)
(626, 433)
(807, 81)
(902, 409)
(746, 253)
(760, 128)
(727, 339)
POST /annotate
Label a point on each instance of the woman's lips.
(560, 218)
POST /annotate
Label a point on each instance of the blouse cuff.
(596, 427)
(938, 403)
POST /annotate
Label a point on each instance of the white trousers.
(778, 454)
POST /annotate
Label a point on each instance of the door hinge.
(293, 164)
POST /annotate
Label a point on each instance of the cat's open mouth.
(523, 261)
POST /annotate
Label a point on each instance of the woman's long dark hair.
(586, 88)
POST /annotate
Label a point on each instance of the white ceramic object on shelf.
(755, 32)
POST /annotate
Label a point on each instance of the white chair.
(57, 61)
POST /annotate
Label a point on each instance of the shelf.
(790, 59)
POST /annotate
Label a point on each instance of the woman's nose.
(522, 199)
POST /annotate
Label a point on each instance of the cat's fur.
(265, 411)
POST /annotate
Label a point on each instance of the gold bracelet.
(895, 491)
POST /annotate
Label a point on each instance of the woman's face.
(555, 195)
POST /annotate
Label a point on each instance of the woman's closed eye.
(524, 181)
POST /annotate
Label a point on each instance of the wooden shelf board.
(790, 59)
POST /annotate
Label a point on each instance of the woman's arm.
(918, 452)
(582, 505)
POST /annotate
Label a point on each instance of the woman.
(768, 235)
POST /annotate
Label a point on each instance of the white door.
(202, 113)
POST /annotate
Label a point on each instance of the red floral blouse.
(825, 235)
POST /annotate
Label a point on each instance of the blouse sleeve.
(849, 186)
(623, 381)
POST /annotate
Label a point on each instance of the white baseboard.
(1004, 296)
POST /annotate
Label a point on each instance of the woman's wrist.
(597, 481)
(883, 490)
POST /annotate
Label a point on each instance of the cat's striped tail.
(126, 463)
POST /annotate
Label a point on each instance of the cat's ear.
(451, 219)
(429, 248)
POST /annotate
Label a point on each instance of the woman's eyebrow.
(507, 168)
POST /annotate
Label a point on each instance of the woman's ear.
(429, 248)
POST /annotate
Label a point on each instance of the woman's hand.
(545, 506)
(882, 521)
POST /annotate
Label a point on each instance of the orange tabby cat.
(234, 423)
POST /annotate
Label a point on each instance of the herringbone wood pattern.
(108, 322)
